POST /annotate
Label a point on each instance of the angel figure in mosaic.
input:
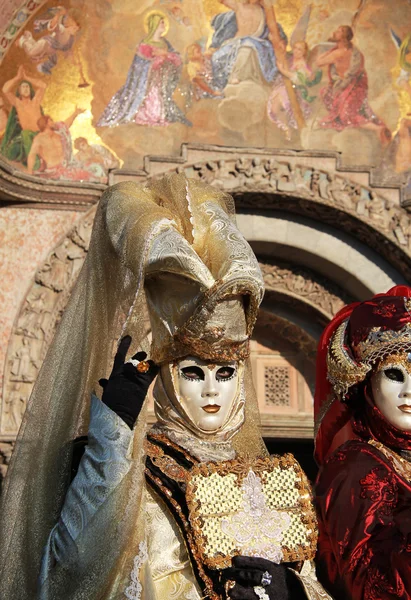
(192, 507)
(299, 67)
(147, 96)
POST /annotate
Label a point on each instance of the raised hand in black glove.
(272, 581)
(126, 388)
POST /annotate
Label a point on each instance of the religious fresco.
(90, 87)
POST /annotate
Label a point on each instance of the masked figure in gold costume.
(194, 508)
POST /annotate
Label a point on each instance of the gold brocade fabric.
(169, 568)
(312, 587)
(169, 564)
(109, 300)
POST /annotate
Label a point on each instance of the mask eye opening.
(394, 373)
(192, 373)
(225, 373)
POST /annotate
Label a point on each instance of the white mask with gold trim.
(391, 389)
(201, 399)
(207, 392)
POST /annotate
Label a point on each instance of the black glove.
(248, 572)
(126, 388)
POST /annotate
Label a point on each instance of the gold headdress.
(343, 371)
(203, 292)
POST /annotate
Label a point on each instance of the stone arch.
(295, 283)
(258, 182)
(263, 182)
(339, 257)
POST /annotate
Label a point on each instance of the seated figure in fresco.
(346, 96)
(363, 446)
(125, 527)
(241, 44)
(25, 94)
(147, 96)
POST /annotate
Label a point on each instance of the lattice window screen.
(277, 388)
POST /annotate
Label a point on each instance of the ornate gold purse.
(258, 507)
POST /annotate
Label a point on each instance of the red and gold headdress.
(358, 337)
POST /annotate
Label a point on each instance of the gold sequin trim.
(395, 359)
(166, 464)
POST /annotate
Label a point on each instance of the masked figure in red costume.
(363, 446)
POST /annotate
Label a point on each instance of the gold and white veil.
(109, 300)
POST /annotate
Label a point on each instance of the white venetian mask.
(207, 392)
(391, 389)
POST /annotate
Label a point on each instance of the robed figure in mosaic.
(194, 508)
(146, 98)
(363, 444)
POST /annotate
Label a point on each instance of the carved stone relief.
(37, 321)
(324, 295)
(269, 183)
(6, 450)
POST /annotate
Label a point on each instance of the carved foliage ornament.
(6, 450)
(272, 175)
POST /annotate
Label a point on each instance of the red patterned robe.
(347, 99)
(364, 510)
